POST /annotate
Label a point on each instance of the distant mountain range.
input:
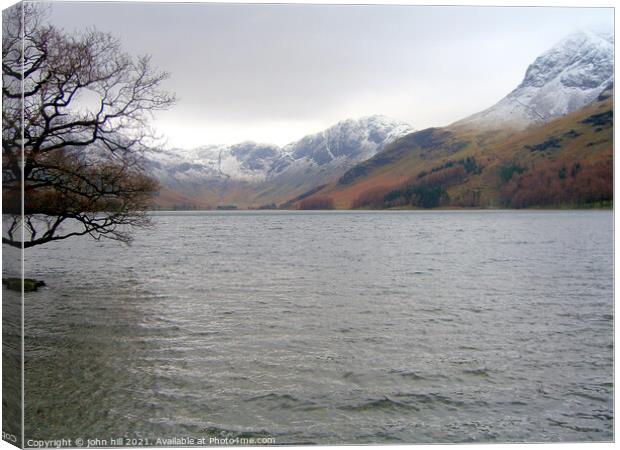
(212, 175)
(337, 166)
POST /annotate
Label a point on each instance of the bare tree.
(75, 125)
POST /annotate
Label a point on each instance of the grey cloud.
(241, 65)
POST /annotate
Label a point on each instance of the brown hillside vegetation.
(564, 163)
(167, 199)
(316, 202)
(208, 196)
(557, 183)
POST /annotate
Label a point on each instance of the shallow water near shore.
(327, 327)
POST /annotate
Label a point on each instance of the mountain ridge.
(245, 173)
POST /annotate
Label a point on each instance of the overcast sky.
(274, 73)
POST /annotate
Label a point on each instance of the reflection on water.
(328, 328)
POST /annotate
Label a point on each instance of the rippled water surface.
(328, 328)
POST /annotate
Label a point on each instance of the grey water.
(327, 327)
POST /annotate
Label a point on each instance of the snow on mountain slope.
(561, 80)
(247, 161)
(343, 144)
(349, 140)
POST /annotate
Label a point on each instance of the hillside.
(565, 162)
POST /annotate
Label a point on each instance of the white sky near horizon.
(274, 73)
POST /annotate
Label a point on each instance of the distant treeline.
(546, 184)
(425, 190)
(556, 183)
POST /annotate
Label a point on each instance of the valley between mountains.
(548, 143)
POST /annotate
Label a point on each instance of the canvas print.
(294, 224)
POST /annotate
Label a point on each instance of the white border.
(565, 3)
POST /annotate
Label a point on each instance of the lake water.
(327, 327)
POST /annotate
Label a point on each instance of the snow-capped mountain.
(245, 161)
(563, 79)
(350, 140)
(341, 145)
